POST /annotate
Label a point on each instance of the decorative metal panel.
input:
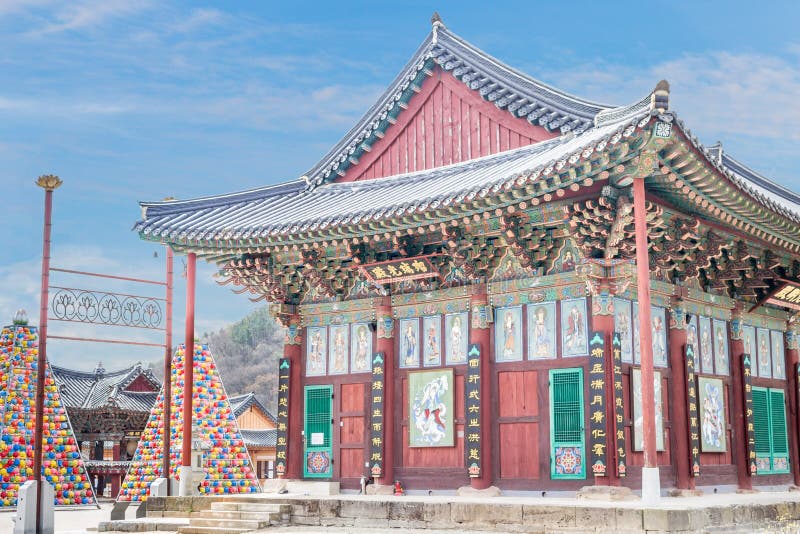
(281, 444)
(597, 405)
(472, 407)
(376, 416)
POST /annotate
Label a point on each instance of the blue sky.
(130, 101)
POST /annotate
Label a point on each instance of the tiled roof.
(96, 390)
(260, 438)
(509, 89)
(768, 192)
(240, 403)
(289, 208)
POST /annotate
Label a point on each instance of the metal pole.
(49, 183)
(188, 362)
(646, 340)
(165, 467)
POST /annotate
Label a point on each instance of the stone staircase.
(236, 515)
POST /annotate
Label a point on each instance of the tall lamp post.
(49, 183)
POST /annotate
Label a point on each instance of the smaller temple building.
(108, 410)
(259, 431)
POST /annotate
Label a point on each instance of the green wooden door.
(567, 436)
(769, 423)
(780, 444)
(318, 430)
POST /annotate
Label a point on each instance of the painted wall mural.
(432, 341)
(361, 349)
(430, 409)
(541, 330)
(778, 355)
(712, 414)
(721, 360)
(706, 343)
(457, 329)
(316, 350)
(692, 337)
(764, 364)
(638, 418)
(339, 342)
(658, 318)
(409, 343)
(508, 334)
(624, 327)
(573, 328)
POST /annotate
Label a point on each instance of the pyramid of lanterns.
(61, 461)
(227, 462)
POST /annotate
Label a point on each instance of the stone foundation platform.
(729, 512)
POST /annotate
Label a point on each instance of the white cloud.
(90, 14)
(719, 93)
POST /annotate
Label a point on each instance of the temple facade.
(465, 301)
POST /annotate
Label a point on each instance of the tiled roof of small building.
(100, 389)
(240, 403)
(259, 438)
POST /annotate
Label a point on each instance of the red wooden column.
(49, 183)
(603, 321)
(292, 350)
(651, 484)
(739, 428)
(115, 478)
(479, 333)
(391, 413)
(188, 365)
(679, 404)
(793, 419)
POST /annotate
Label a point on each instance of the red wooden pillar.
(479, 334)
(392, 414)
(651, 484)
(49, 183)
(792, 359)
(678, 394)
(292, 350)
(188, 361)
(116, 477)
(739, 428)
(603, 321)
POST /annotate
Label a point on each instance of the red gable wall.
(445, 123)
(140, 383)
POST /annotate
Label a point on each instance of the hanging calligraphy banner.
(747, 376)
(376, 418)
(597, 407)
(472, 406)
(619, 408)
(282, 434)
(694, 422)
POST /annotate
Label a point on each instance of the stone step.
(228, 506)
(239, 524)
(168, 513)
(189, 529)
(253, 516)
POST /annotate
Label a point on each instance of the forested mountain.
(247, 354)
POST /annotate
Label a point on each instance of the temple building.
(259, 432)
(489, 281)
(108, 411)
